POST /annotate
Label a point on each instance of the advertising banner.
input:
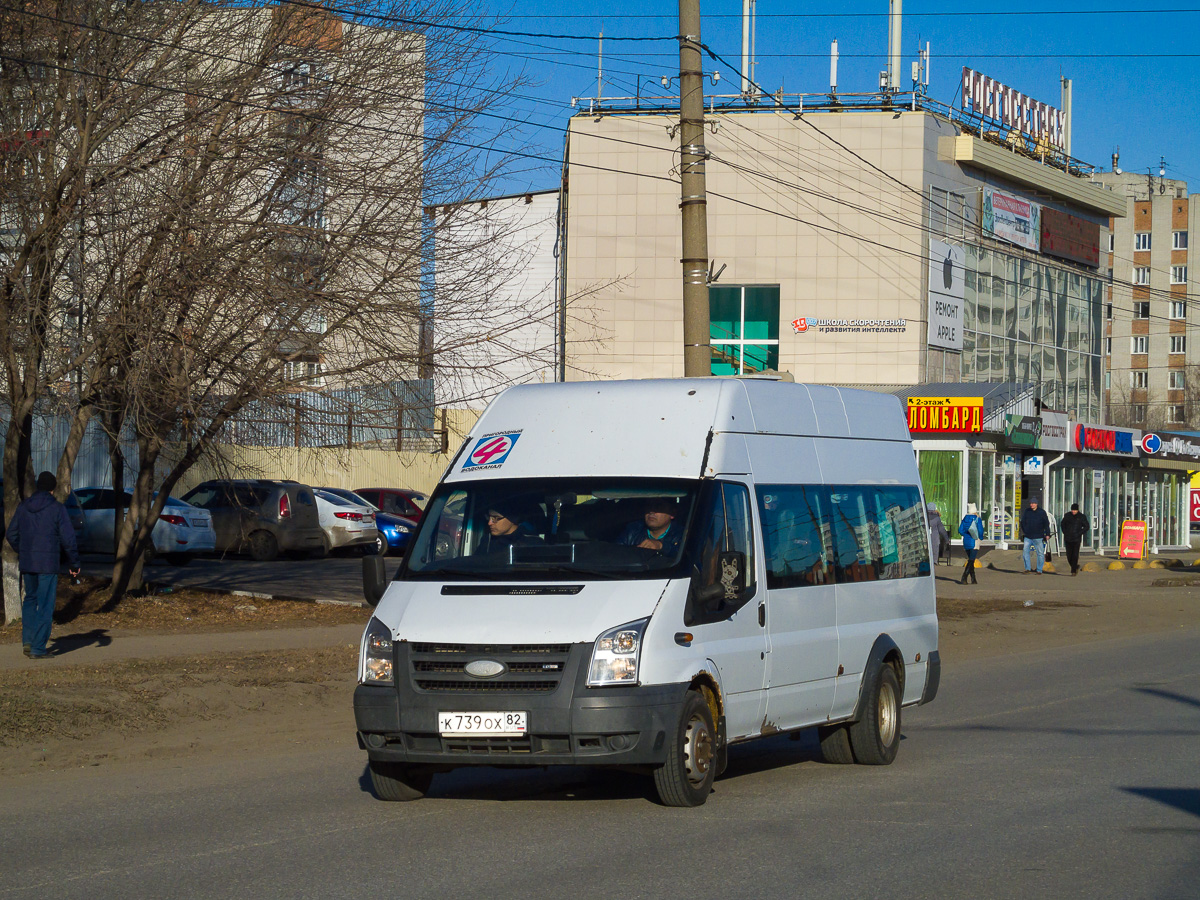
(1023, 431)
(1195, 506)
(1070, 237)
(945, 414)
(1009, 218)
(1105, 441)
(947, 295)
(1056, 431)
(1165, 445)
(1133, 539)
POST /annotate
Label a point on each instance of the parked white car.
(181, 531)
(346, 524)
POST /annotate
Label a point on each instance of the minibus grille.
(441, 668)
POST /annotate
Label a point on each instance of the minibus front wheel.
(687, 776)
(397, 781)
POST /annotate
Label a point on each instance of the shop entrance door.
(1099, 516)
(1154, 517)
(1002, 523)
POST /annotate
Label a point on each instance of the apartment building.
(1152, 307)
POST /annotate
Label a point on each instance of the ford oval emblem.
(485, 668)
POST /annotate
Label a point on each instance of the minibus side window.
(878, 533)
(796, 535)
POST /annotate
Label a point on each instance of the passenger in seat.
(657, 530)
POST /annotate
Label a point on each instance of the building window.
(744, 328)
(302, 371)
(1108, 311)
(1139, 380)
(1178, 343)
(1175, 413)
(1108, 346)
(1178, 309)
(1178, 274)
(1175, 380)
(1138, 412)
(1138, 343)
(1141, 240)
(1107, 380)
(1141, 274)
(1110, 242)
(1179, 240)
(1141, 309)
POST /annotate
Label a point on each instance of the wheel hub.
(698, 750)
(887, 715)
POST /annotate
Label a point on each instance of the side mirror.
(374, 579)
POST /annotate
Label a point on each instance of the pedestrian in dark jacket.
(939, 538)
(1035, 526)
(1074, 526)
(39, 531)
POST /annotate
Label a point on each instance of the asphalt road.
(1064, 773)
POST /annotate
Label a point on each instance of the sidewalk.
(72, 648)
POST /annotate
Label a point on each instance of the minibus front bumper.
(568, 723)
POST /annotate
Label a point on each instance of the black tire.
(263, 546)
(178, 559)
(875, 737)
(687, 776)
(835, 744)
(379, 548)
(399, 782)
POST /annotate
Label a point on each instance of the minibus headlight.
(616, 654)
(376, 660)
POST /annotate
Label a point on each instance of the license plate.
(199, 523)
(504, 724)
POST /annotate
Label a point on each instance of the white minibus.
(638, 574)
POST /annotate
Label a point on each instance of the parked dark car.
(396, 501)
(394, 531)
(261, 517)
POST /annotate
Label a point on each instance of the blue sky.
(1133, 68)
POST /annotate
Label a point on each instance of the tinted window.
(796, 535)
(818, 535)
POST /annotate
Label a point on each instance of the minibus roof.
(656, 427)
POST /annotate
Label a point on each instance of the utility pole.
(697, 354)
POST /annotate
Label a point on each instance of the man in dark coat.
(1074, 526)
(1035, 527)
(39, 530)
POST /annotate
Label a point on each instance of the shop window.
(744, 328)
(1178, 309)
(1141, 274)
(1138, 343)
(1141, 240)
(941, 477)
(1179, 240)
(1178, 274)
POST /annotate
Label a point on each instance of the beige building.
(831, 233)
(1152, 312)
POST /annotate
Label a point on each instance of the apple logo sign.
(948, 270)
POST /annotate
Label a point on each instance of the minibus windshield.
(552, 528)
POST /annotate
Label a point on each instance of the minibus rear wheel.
(875, 737)
(687, 776)
(397, 781)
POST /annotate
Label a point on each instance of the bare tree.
(243, 186)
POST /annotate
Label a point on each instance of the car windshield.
(552, 528)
